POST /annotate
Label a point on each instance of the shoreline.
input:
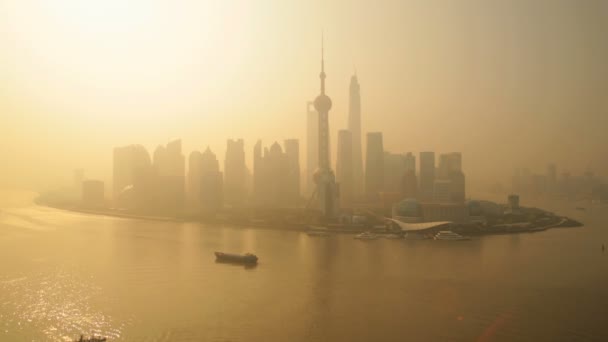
(117, 214)
(565, 222)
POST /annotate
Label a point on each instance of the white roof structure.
(418, 226)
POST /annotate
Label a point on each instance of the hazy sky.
(509, 83)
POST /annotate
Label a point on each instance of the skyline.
(500, 84)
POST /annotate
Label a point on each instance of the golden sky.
(509, 83)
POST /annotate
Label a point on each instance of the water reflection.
(159, 281)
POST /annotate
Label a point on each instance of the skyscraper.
(427, 175)
(312, 146)
(258, 173)
(327, 189)
(193, 186)
(410, 162)
(211, 191)
(344, 168)
(354, 126)
(169, 165)
(394, 169)
(374, 165)
(409, 184)
(235, 174)
(130, 162)
(450, 170)
(448, 163)
(274, 185)
(292, 150)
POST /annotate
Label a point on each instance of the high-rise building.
(326, 188)
(458, 192)
(258, 173)
(409, 185)
(235, 174)
(133, 177)
(374, 165)
(193, 186)
(410, 162)
(312, 147)
(211, 192)
(394, 169)
(450, 169)
(292, 150)
(169, 165)
(344, 168)
(442, 191)
(354, 126)
(427, 175)
(272, 174)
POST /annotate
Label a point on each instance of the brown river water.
(64, 273)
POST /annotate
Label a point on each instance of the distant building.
(413, 211)
(394, 169)
(442, 191)
(170, 168)
(374, 165)
(354, 126)
(292, 150)
(410, 162)
(455, 212)
(450, 169)
(195, 176)
(312, 147)
(235, 174)
(272, 177)
(211, 192)
(409, 184)
(458, 191)
(344, 168)
(427, 175)
(133, 178)
(513, 202)
(449, 163)
(259, 180)
(93, 195)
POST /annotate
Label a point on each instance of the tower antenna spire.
(322, 74)
(322, 52)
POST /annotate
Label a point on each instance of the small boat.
(93, 338)
(246, 258)
(366, 236)
(448, 235)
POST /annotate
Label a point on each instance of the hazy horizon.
(508, 83)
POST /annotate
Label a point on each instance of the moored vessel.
(366, 236)
(246, 258)
(448, 235)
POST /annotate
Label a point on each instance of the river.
(64, 273)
